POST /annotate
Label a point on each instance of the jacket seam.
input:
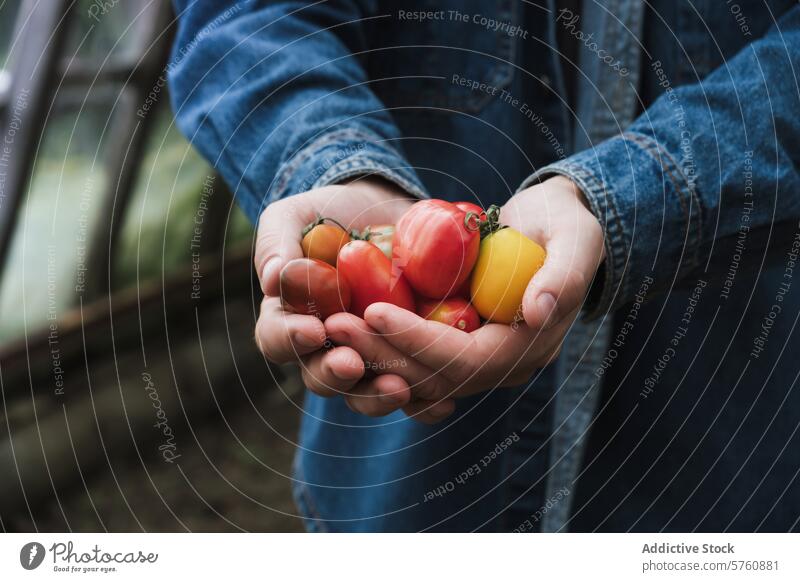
(289, 169)
(360, 165)
(305, 502)
(649, 145)
(617, 245)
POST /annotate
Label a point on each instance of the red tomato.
(368, 273)
(381, 235)
(434, 247)
(312, 287)
(454, 312)
(463, 291)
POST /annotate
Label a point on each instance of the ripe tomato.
(381, 235)
(312, 287)
(507, 262)
(368, 273)
(322, 241)
(463, 291)
(454, 312)
(434, 247)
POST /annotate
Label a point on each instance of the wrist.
(377, 187)
(372, 199)
(564, 184)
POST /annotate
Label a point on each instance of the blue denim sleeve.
(704, 164)
(274, 95)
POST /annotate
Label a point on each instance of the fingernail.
(269, 270)
(305, 340)
(546, 304)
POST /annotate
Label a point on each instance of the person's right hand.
(284, 337)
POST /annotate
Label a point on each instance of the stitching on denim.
(655, 151)
(649, 145)
(304, 501)
(617, 244)
(358, 164)
(288, 170)
(616, 241)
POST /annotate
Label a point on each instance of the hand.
(554, 214)
(285, 337)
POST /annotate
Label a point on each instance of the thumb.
(278, 241)
(559, 288)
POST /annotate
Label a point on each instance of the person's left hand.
(555, 215)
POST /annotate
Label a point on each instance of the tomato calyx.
(491, 223)
(360, 235)
(365, 234)
(472, 221)
(321, 220)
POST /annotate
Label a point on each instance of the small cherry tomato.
(454, 312)
(313, 287)
(369, 274)
(507, 262)
(435, 247)
(323, 241)
(381, 235)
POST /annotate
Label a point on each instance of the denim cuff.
(343, 154)
(649, 210)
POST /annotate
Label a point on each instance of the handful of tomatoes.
(448, 262)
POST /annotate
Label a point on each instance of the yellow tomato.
(506, 263)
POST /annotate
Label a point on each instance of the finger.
(535, 349)
(473, 362)
(523, 374)
(382, 357)
(379, 396)
(574, 253)
(284, 337)
(550, 357)
(430, 412)
(332, 372)
(278, 240)
(442, 348)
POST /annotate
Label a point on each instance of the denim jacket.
(673, 405)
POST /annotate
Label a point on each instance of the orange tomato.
(323, 242)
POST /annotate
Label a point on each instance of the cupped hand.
(284, 336)
(554, 214)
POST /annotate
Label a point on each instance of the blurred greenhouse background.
(70, 177)
(103, 336)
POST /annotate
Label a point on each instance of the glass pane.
(53, 226)
(107, 29)
(160, 222)
(8, 17)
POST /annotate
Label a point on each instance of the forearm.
(702, 164)
(274, 96)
